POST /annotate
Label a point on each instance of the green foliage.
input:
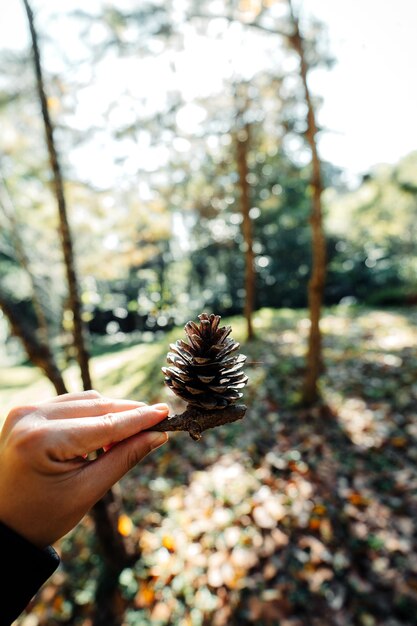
(374, 233)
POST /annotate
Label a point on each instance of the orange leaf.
(124, 525)
(168, 542)
(314, 523)
(57, 603)
(357, 499)
(145, 596)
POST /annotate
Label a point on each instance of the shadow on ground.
(288, 518)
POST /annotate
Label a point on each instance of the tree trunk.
(37, 350)
(318, 271)
(58, 186)
(242, 148)
(117, 554)
(105, 523)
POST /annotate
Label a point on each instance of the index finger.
(89, 406)
(72, 395)
(79, 436)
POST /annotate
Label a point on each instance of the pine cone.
(204, 371)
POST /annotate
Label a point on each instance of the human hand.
(46, 482)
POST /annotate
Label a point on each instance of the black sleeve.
(23, 570)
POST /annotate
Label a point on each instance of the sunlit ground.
(290, 517)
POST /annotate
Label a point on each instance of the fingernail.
(162, 407)
(158, 439)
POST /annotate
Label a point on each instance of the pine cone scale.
(205, 379)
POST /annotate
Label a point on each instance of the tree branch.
(195, 420)
(255, 24)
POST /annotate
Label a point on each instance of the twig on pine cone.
(195, 419)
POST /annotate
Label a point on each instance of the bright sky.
(370, 95)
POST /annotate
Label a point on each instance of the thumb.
(114, 464)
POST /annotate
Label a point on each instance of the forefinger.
(72, 395)
(86, 407)
(79, 436)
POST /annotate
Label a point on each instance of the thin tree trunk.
(117, 552)
(108, 614)
(58, 186)
(242, 148)
(318, 271)
(37, 351)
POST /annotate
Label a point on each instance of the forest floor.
(287, 518)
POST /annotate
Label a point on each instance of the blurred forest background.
(160, 159)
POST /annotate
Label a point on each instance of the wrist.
(24, 542)
(22, 530)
